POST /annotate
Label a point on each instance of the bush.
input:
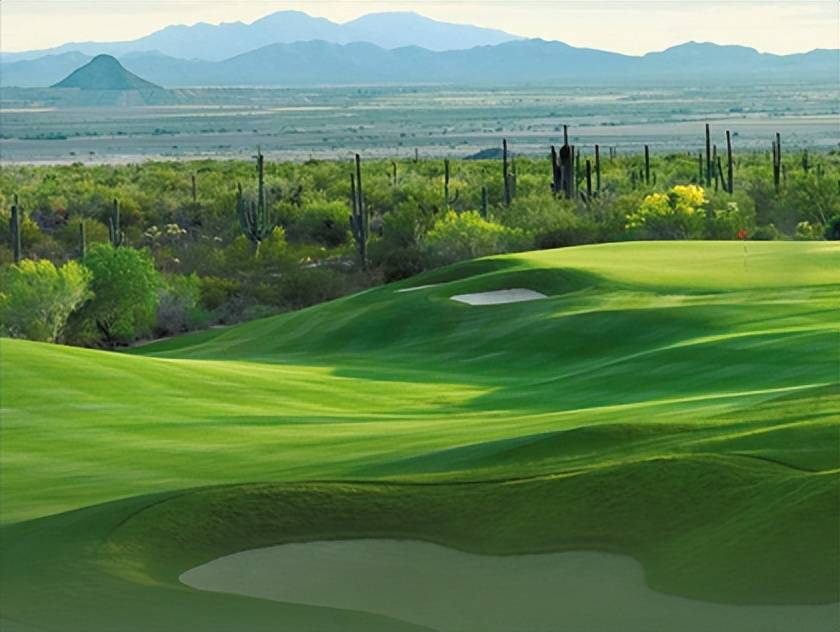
(832, 228)
(325, 223)
(672, 215)
(765, 233)
(456, 237)
(179, 309)
(37, 298)
(126, 294)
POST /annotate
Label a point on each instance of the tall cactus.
(730, 165)
(359, 223)
(506, 174)
(255, 220)
(116, 235)
(484, 212)
(597, 168)
(647, 164)
(567, 170)
(448, 200)
(777, 163)
(709, 163)
(14, 230)
(563, 170)
(82, 239)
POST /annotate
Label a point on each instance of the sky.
(627, 26)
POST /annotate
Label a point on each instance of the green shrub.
(323, 223)
(180, 308)
(832, 228)
(37, 298)
(217, 291)
(677, 214)
(456, 237)
(126, 295)
(765, 233)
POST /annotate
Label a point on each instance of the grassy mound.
(679, 402)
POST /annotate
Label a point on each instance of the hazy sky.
(629, 26)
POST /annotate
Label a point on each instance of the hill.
(677, 402)
(103, 72)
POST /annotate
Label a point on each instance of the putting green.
(675, 402)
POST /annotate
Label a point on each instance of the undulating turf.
(678, 402)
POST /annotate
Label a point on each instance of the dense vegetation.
(198, 262)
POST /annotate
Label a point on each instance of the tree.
(126, 293)
(37, 298)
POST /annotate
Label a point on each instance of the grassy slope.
(678, 402)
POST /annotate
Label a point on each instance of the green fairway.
(678, 402)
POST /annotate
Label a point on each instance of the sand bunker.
(451, 591)
(497, 297)
(418, 287)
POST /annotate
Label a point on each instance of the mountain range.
(212, 42)
(291, 48)
(514, 62)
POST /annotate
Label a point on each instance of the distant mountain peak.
(105, 72)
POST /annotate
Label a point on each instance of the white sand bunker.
(497, 297)
(417, 287)
(451, 591)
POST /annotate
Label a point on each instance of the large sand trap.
(418, 287)
(451, 591)
(497, 297)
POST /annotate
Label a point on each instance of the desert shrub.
(180, 306)
(832, 228)
(768, 232)
(126, 288)
(567, 229)
(456, 236)
(398, 262)
(806, 231)
(673, 215)
(215, 292)
(37, 298)
(323, 223)
(726, 215)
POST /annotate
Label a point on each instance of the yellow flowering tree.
(677, 214)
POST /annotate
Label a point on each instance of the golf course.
(662, 412)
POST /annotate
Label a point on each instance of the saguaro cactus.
(647, 164)
(359, 224)
(82, 240)
(709, 169)
(448, 200)
(567, 170)
(116, 235)
(14, 230)
(777, 162)
(255, 221)
(730, 165)
(597, 168)
(588, 180)
(505, 174)
(194, 189)
(484, 212)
